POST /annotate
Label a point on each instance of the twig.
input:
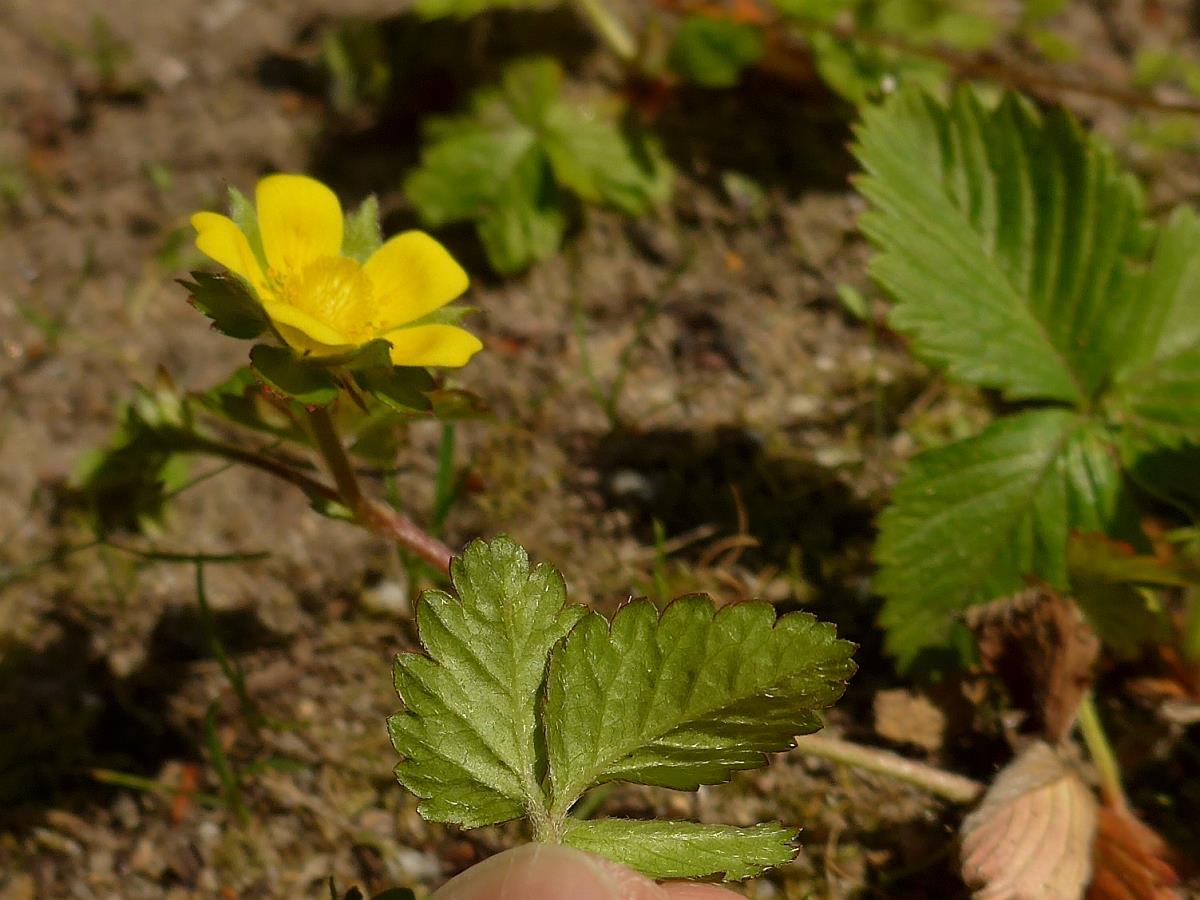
(947, 785)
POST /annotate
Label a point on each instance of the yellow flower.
(323, 303)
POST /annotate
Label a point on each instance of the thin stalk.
(947, 785)
(1189, 643)
(264, 464)
(371, 514)
(610, 29)
(1101, 752)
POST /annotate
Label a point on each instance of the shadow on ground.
(63, 713)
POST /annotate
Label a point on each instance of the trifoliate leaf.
(688, 698)
(971, 520)
(362, 235)
(684, 849)
(1006, 240)
(469, 732)
(508, 163)
(713, 52)
(287, 374)
(399, 388)
(228, 302)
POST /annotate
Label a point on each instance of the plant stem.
(611, 29)
(947, 785)
(371, 514)
(1101, 752)
(254, 460)
(1189, 641)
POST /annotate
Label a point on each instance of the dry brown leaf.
(1042, 649)
(909, 718)
(1131, 860)
(1031, 837)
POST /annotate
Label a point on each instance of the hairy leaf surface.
(468, 735)
(970, 520)
(1006, 239)
(684, 849)
(688, 698)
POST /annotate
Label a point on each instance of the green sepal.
(362, 235)
(245, 217)
(239, 399)
(366, 356)
(226, 300)
(660, 849)
(456, 405)
(402, 388)
(282, 371)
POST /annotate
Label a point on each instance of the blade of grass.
(230, 783)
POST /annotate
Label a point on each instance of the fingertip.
(683, 890)
(548, 872)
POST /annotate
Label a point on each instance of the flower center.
(335, 291)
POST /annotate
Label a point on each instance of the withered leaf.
(1131, 861)
(1038, 644)
(1031, 837)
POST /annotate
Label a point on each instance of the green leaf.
(971, 520)
(713, 52)
(1109, 582)
(399, 388)
(507, 164)
(228, 302)
(1006, 239)
(469, 733)
(526, 221)
(688, 698)
(605, 163)
(684, 849)
(125, 485)
(287, 374)
(1156, 397)
(362, 235)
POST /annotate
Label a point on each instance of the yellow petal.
(320, 334)
(432, 345)
(299, 219)
(219, 238)
(413, 275)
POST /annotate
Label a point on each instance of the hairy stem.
(611, 29)
(1101, 752)
(371, 514)
(947, 785)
